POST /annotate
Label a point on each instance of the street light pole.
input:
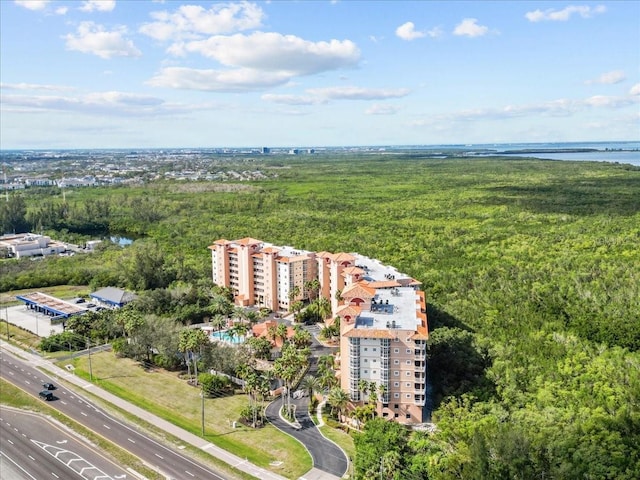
(6, 319)
(90, 369)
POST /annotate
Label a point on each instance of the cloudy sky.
(124, 74)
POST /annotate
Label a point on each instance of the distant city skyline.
(174, 74)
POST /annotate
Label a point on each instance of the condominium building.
(262, 274)
(383, 320)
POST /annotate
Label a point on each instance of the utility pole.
(90, 369)
(6, 319)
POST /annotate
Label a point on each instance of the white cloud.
(292, 99)
(34, 86)
(565, 14)
(469, 28)
(94, 39)
(61, 10)
(110, 103)
(407, 31)
(635, 90)
(193, 21)
(358, 93)
(32, 4)
(609, 78)
(98, 5)
(316, 96)
(378, 109)
(239, 80)
(274, 52)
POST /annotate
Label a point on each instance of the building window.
(385, 414)
(408, 416)
(408, 385)
(374, 349)
(366, 371)
(374, 372)
(408, 395)
(395, 405)
(396, 362)
(396, 395)
(396, 415)
(366, 349)
(408, 351)
(396, 384)
(408, 362)
(366, 359)
(408, 374)
(396, 373)
(396, 350)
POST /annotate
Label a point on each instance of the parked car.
(46, 395)
(49, 386)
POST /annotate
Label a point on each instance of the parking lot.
(30, 320)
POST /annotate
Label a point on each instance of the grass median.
(171, 398)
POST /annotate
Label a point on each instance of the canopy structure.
(51, 306)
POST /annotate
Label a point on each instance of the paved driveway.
(326, 455)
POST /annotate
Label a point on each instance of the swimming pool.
(223, 336)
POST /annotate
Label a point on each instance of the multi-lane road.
(165, 460)
(34, 447)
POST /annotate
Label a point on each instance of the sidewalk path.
(187, 437)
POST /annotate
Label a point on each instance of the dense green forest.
(531, 270)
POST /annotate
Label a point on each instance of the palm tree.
(327, 379)
(293, 295)
(218, 322)
(301, 338)
(191, 341)
(382, 392)
(326, 362)
(282, 332)
(323, 308)
(363, 387)
(239, 330)
(338, 399)
(310, 384)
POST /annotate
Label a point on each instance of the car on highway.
(46, 395)
(49, 386)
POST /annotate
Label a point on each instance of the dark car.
(49, 386)
(47, 395)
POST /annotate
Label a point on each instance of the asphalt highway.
(34, 447)
(168, 462)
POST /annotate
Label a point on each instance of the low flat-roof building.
(30, 245)
(112, 297)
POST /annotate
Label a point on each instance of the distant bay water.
(614, 152)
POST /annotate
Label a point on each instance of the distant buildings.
(383, 321)
(30, 245)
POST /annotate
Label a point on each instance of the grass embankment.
(167, 396)
(18, 336)
(12, 396)
(8, 299)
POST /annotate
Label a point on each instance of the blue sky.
(143, 73)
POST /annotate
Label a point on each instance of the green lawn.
(171, 398)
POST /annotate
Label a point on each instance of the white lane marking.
(27, 382)
(159, 456)
(55, 475)
(9, 441)
(11, 460)
(11, 373)
(132, 441)
(106, 426)
(63, 402)
(189, 473)
(31, 458)
(82, 413)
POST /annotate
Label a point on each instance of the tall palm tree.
(363, 387)
(323, 308)
(338, 399)
(310, 384)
